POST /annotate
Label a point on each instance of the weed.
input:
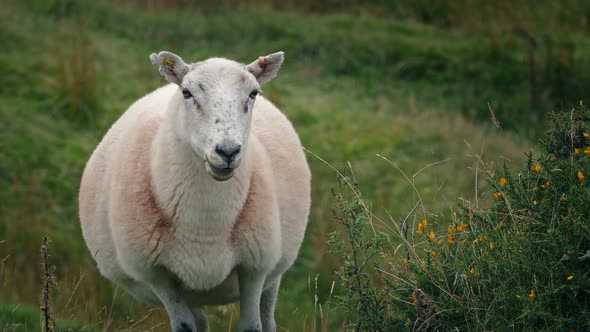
(48, 277)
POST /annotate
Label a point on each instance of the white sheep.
(199, 194)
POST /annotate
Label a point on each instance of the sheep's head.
(215, 100)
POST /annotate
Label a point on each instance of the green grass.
(23, 318)
(354, 87)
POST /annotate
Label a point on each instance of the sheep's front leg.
(181, 316)
(251, 284)
(267, 306)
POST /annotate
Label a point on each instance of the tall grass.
(75, 84)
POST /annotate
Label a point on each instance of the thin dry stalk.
(48, 323)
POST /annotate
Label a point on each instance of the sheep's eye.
(253, 94)
(187, 94)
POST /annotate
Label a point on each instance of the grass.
(24, 318)
(354, 87)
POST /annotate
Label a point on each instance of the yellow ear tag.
(168, 63)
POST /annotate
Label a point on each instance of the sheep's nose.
(228, 153)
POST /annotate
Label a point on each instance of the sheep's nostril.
(228, 153)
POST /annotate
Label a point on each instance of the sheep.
(199, 194)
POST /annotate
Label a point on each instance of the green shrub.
(361, 297)
(520, 263)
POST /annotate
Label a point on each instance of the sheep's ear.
(170, 65)
(266, 67)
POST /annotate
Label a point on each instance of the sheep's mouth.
(219, 174)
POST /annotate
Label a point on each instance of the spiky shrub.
(520, 263)
(364, 302)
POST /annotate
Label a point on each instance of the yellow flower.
(501, 224)
(473, 271)
(536, 168)
(451, 240)
(535, 202)
(581, 176)
(405, 264)
(492, 245)
(532, 294)
(497, 195)
(434, 254)
(586, 135)
(576, 151)
(503, 182)
(587, 151)
(480, 239)
(420, 230)
(548, 184)
(462, 227)
(440, 242)
(431, 235)
(570, 278)
(421, 226)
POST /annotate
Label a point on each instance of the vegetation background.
(433, 87)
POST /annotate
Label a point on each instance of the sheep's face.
(216, 99)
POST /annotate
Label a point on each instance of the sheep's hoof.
(184, 327)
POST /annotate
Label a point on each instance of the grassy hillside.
(354, 87)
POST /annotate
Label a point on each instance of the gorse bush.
(361, 297)
(520, 263)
